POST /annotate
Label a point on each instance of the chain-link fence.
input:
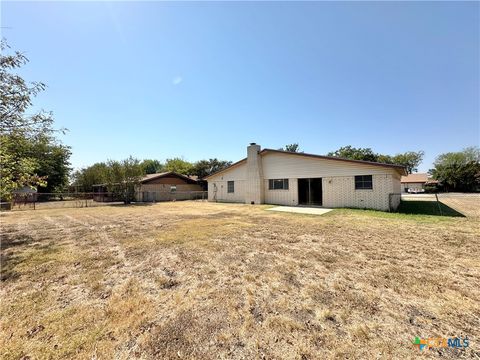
(36, 201)
(157, 196)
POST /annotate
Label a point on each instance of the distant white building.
(415, 183)
(285, 178)
(25, 190)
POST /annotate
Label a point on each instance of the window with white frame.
(230, 186)
(173, 188)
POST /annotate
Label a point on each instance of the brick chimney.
(254, 186)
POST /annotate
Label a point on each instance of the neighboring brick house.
(285, 178)
(415, 183)
(158, 187)
(167, 186)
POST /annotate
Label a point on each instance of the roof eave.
(401, 169)
(161, 175)
(227, 168)
(324, 157)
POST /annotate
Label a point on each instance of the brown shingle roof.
(415, 178)
(149, 177)
(153, 176)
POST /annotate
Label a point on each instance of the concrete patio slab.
(301, 210)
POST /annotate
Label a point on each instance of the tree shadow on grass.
(427, 208)
(9, 259)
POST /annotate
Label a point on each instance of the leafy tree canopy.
(409, 159)
(84, 179)
(350, 152)
(179, 165)
(29, 153)
(204, 168)
(292, 147)
(16, 171)
(123, 177)
(17, 96)
(458, 171)
(152, 166)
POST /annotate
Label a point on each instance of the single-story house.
(159, 187)
(167, 186)
(286, 178)
(415, 183)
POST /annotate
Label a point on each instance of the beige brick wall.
(166, 187)
(340, 192)
(282, 197)
(161, 192)
(237, 174)
(221, 191)
(397, 186)
(338, 182)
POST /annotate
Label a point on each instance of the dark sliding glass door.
(310, 191)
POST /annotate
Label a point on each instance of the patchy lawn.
(203, 280)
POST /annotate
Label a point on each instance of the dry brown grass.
(201, 280)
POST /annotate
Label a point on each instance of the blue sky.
(202, 80)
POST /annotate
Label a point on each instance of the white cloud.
(177, 80)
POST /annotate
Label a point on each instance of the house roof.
(25, 190)
(415, 178)
(150, 177)
(227, 168)
(266, 151)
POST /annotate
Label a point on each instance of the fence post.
(438, 203)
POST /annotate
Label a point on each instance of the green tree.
(204, 168)
(17, 96)
(385, 159)
(350, 152)
(53, 164)
(16, 171)
(20, 132)
(84, 179)
(48, 159)
(292, 147)
(179, 165)
(123, 177)
(410, 159)
(458, 171)
(152, 166)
